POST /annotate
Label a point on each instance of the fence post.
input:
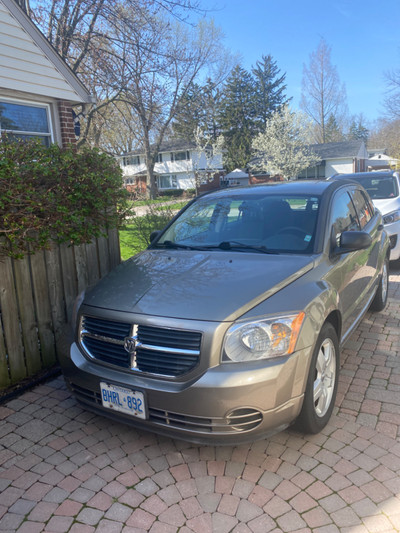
(10, 321)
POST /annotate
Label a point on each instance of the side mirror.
(154, 235)
(350, 241)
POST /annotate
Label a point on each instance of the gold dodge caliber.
(229, 326)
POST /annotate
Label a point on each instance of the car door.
(350, 273)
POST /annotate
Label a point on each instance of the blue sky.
(364, 37)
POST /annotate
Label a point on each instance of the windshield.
(379, 188)
(268, 223)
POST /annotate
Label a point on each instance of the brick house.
(37, 88)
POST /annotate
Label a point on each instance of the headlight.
(394, 216)
(262, 339)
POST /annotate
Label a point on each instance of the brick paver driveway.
(64, 469)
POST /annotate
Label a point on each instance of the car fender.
(317, 299)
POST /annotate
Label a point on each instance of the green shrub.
(171, 193)
(55, 194)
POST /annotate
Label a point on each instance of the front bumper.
(393, 231)
(228, 404)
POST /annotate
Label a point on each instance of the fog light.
(393, 241)
(244, 419)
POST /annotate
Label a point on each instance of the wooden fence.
(36, 298)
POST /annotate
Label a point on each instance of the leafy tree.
(198, 108)
(358, 130)
(282, 148)
(323, 95)
(333, 132)
(270, 90)
(237, 118)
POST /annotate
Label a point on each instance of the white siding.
(24, 66)
(186, 181)
(338, 166)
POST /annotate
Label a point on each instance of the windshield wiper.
(236, 245)
(224, 245)
(176, 245)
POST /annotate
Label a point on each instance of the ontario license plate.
(123, 400)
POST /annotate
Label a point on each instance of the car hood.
(214, 286)
(387, 205)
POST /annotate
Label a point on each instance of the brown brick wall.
(67, 123)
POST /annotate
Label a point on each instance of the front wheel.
(322, 382)
(380, 300)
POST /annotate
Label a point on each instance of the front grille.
(161, 351)
(393, 241)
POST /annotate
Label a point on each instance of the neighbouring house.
(379, 160)
(176, 168)
(337, 158)
(37, 88)
(236, 177)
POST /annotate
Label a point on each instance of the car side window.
(363, 207)
(344, 216)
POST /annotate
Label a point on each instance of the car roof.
(306, 187)
(374, 175)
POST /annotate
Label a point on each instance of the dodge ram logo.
(130, 345)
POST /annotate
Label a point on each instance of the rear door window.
(363, 207)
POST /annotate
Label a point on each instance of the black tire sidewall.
(308, 420)
(378, 304)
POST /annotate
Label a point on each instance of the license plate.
(123, 400)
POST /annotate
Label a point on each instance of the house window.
(131, 160)
(168, 181)
(180, 156)
(314, 173)
(159, 158)
(25, 121)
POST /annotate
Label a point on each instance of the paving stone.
(118, 513)
(90, 516)
(209, 502)
(223, 523)
(22, 507)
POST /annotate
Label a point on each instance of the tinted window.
(379, 187)
(363, 207)
(344, 216)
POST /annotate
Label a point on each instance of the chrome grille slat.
(159, 351)
(107, 328)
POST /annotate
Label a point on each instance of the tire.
(322, 382)
(381, 296)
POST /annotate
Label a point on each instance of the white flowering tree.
(283, 147)
(209, 156)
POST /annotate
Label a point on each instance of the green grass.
(130, 242)
(134, 237)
